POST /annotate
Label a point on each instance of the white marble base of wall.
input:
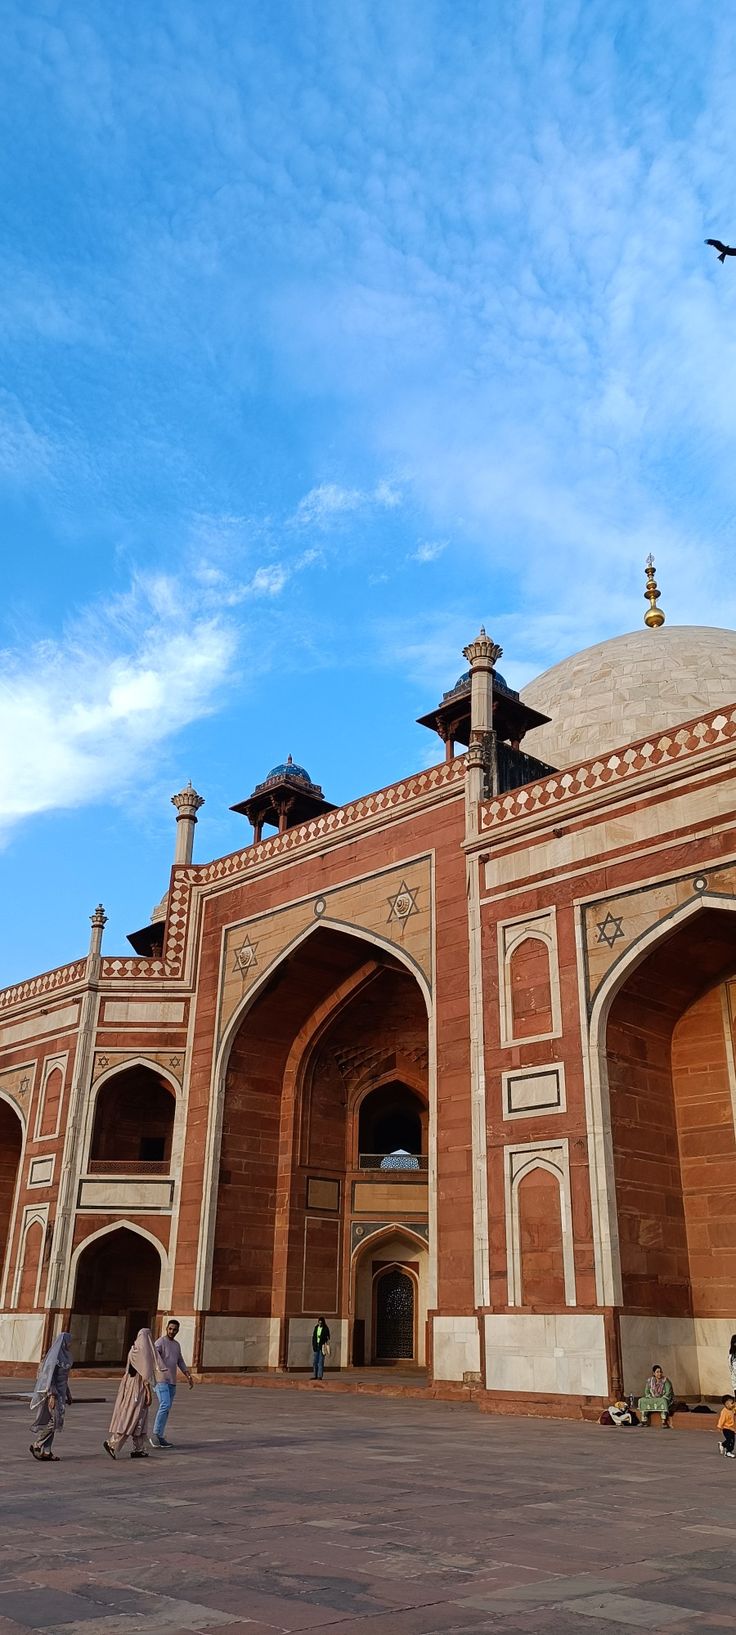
(455, 1347)
(21, 1337)
(240, 1342)
(559, 1354)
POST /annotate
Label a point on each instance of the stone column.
(187, 804)
(481, 655)
(72, 1156)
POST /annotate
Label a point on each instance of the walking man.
(169, 1360)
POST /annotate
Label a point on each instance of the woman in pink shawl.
(130, 1414)
(51, 1395)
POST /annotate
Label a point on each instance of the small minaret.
(187, 804)
(654, 616)
(481, 655)
(98, 921)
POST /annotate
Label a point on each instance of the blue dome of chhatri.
(288, 772)
(462, 685)
(288, 769)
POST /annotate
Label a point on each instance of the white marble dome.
(626, 688)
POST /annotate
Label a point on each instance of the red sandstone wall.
(704, 1108)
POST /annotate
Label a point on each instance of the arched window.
(391, 1123)
(32, 1252)
(11, 1144)
(134, 1121)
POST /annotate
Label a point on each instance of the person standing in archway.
(170, 1362)
(320, 1347)
(51, 1397)
(130, 1414)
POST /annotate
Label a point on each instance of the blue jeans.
(319, 1364)
(165, 1394)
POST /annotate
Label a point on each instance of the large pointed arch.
(358, 935)
(609, 1286)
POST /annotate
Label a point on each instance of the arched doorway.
(672, 1096)
(390, 1299)
(116, 1293)
(11, 1146)
(395, 1315)
(337, 1019)
(133, 1123)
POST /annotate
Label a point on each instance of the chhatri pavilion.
(452, 1065)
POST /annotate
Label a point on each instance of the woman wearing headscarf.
(130, 1414)
(51, 1397)
(732, 1361)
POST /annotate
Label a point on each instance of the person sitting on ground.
(727, 1425)
(320, 1346)
(168, 1353)
(658, 1397)
(130, 1414)
(51, 1397)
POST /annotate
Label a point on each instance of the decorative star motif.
(174, 1061)
(24, 1085)
(245, 956)
(103, 1060)
(403, 905)
(610, 929)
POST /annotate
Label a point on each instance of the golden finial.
(654, 616)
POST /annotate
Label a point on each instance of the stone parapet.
(646, 757)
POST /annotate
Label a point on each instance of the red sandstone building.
(452, 1065)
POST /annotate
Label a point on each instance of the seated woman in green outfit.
(658, 1397)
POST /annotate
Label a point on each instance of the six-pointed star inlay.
(403, 904)
(245, 956)
(610, 929)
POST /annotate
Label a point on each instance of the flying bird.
(723, 249)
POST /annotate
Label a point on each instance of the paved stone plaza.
(303, 1510)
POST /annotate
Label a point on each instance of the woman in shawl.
(130, 1414)
(658, 1398)
(50, 1398)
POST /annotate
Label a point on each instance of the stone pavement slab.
(283, 1512)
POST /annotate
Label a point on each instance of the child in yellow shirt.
(727, 1424)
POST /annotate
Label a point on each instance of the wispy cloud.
(81, 715)
(430, 551)
(327, 502)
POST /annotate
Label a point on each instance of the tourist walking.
(130, 1414)
(732, 1361)
(169, 1359)
(727, 1427)
(658, 1397)
(320, 1347)
(51, 1398)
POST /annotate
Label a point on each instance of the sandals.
(108, 1449)
(44, 1458)
(139, 1454)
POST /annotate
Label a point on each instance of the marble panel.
(133, 1196)
(58, 1021)
(21, 1337)
(456, 1347)
(141, 1010)
(240, 1342)
(556, 1354)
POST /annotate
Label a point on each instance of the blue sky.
(328, 330)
